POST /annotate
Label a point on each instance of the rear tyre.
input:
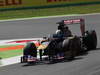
(73, 47)
(90, 40)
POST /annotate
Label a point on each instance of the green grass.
(4, 46)
(11, 53)
(50, 11)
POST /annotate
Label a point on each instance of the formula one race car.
(66, 49)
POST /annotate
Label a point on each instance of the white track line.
(9, 61)
(5, 42)
(13, 60)
(48, 17)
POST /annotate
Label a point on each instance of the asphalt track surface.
(88, 64)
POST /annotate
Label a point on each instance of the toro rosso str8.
(66, 49)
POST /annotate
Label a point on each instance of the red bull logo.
(10, 2)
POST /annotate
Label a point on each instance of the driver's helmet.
(61, 25)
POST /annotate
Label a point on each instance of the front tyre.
(30, 49)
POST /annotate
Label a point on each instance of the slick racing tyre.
(73, 48)
(30, 49)
(90, 40)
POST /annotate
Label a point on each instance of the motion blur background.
(10, 9)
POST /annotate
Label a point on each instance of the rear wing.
(73, 21)
(76, 21)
